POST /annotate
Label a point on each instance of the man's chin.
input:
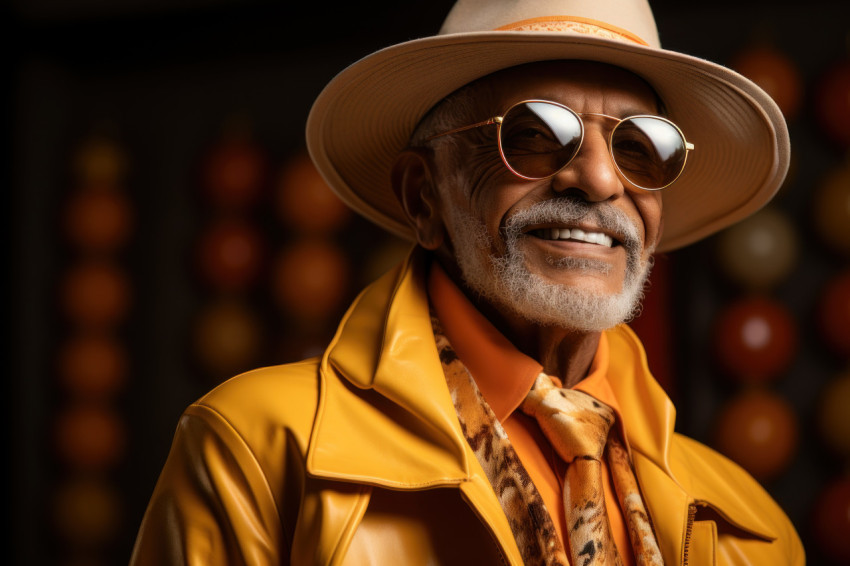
(597, 283)
(576, 293)
(585, 308)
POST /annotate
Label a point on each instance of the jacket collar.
(383, 357)
(385, 416)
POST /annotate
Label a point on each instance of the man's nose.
(592, 173)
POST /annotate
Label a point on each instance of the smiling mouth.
(574, 235)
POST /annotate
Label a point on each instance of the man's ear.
(414, 186)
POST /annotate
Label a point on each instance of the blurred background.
(168, 232)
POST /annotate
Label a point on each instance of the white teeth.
(575, 234)
(605, 240)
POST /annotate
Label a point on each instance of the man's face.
(505, 233)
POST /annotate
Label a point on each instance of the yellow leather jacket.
(357, 458)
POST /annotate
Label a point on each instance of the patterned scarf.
(529, 519)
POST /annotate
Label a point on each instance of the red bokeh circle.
(832, 103)
(773, 71)
(756, 339)
(830, 525)
(834, 313)
(231, 252)
(234, 172)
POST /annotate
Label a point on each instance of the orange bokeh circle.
(227, 337)
(833, 414)
(311, 278)
(98, 218)
(93, 365)
(831, 208)
(87, 512)
(305, 202)
(96, 293)
(758, 429)
(90, 436)
(99, 160)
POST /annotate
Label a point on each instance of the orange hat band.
(585, 26)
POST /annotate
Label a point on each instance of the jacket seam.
(221, 418)
(379, 482)
(346, 534)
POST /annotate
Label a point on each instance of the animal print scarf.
(529, 519)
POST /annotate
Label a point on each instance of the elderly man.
(484, 403)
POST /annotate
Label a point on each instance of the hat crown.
(625, 20)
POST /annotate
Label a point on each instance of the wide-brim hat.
(364, 117)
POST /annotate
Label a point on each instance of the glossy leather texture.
(357, 458)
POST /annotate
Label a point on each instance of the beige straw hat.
(365, 115)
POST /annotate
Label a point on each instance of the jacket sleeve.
(212, 503)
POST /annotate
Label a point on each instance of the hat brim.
(366, 114)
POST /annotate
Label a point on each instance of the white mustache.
(566, 210)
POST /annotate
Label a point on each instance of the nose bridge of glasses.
(592, 169)
(604, 122)
(596, 127)
(599, 115)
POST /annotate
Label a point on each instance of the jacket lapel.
(385, 416)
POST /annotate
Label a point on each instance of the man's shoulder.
(282, 396)
(696, 460)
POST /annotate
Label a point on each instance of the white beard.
(506, 281)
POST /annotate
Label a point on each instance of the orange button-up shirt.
(504, 375)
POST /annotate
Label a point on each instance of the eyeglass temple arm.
(487, 122)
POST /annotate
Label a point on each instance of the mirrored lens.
(649, 151)
(539, 138)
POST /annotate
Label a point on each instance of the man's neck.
(564, 353)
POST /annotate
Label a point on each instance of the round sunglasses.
(538, 138)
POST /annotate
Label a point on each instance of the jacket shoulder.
(710, 472)
(280, 397)
(240, 447)
(737, 501)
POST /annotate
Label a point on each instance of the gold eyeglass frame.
(498, 121)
